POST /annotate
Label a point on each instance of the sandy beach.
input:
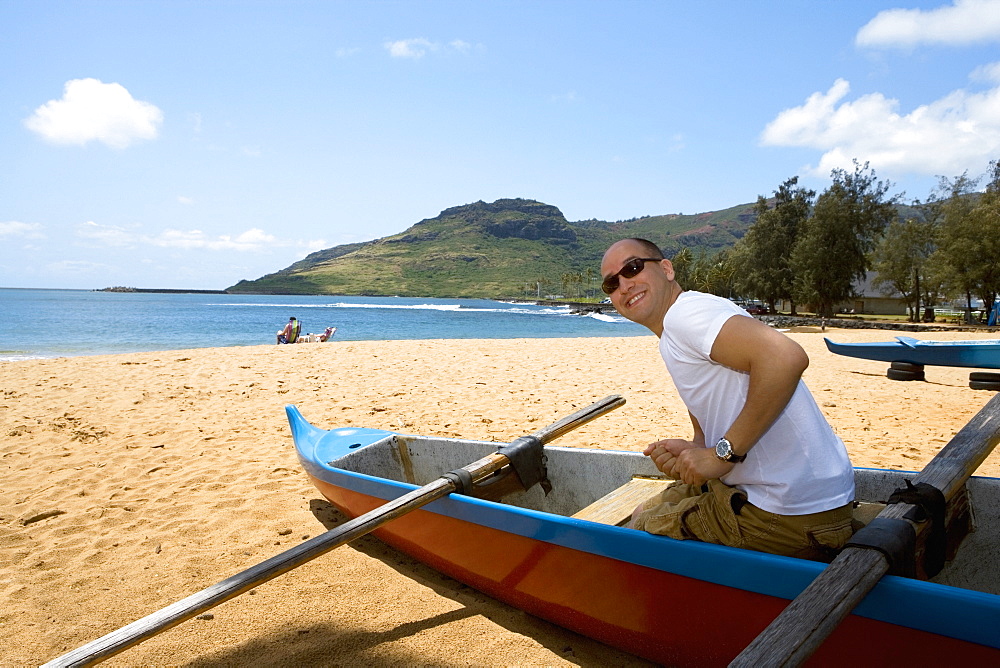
(132, 481)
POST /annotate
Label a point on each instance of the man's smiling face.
(645, 297)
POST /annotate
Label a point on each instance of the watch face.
(723, 449)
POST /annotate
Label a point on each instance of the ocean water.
(60, 323)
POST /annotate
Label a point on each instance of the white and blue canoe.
(981, 354)
(566, 557)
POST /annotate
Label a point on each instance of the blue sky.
(194, 144)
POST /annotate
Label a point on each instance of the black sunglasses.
(630, 270)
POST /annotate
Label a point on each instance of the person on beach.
(291, 331)
(763, 470)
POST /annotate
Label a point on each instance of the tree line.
(812, 251)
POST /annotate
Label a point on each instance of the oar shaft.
(172, 615)
(579, 418)
(195, 604)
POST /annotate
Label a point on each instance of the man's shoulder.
(697, 315)
(691, 301)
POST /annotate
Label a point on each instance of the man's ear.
(668, 268)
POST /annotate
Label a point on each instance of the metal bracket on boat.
(461, 478)
(897, 538)
(528, 461)
(929, 505)
(894, 538)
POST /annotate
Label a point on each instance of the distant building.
(870, 300)
(873, 300)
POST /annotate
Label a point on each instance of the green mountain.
(510, 248)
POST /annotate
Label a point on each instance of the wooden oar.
(142, 629)
(808, 620)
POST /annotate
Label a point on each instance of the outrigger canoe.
(562, 556)
(982, 354)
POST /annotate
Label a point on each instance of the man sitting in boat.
(763, 470)
(291, 331)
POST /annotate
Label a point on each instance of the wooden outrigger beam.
(172, 615)
(808, 620)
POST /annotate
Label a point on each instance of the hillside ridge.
(507, 248)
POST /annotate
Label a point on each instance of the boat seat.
(615, 508)
(865, 511)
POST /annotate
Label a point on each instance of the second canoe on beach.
(982, 354)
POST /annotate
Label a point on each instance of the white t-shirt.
(799, 466)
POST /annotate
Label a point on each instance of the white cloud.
(15, 228)
(410, 48)
(185, 200)
(255, 236)
(77, 267)
(91, 110)
(254, 239)
(959, 132)
(964, 22)
(988, 73)
(251, 240)
(417, 47)
(106, 235)
(569, 97)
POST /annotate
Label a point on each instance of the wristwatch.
(724, 451)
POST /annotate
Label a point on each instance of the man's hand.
(664, 454)
(695, 466)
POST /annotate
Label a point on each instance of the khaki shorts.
(723, 516)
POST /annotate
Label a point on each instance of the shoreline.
(163, 291)
(784, 323)
(133, 480)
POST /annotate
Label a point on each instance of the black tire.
(985, 376)
(906, 366)
(897, 374)
(984, 385)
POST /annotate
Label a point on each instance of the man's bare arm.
(775, 364)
